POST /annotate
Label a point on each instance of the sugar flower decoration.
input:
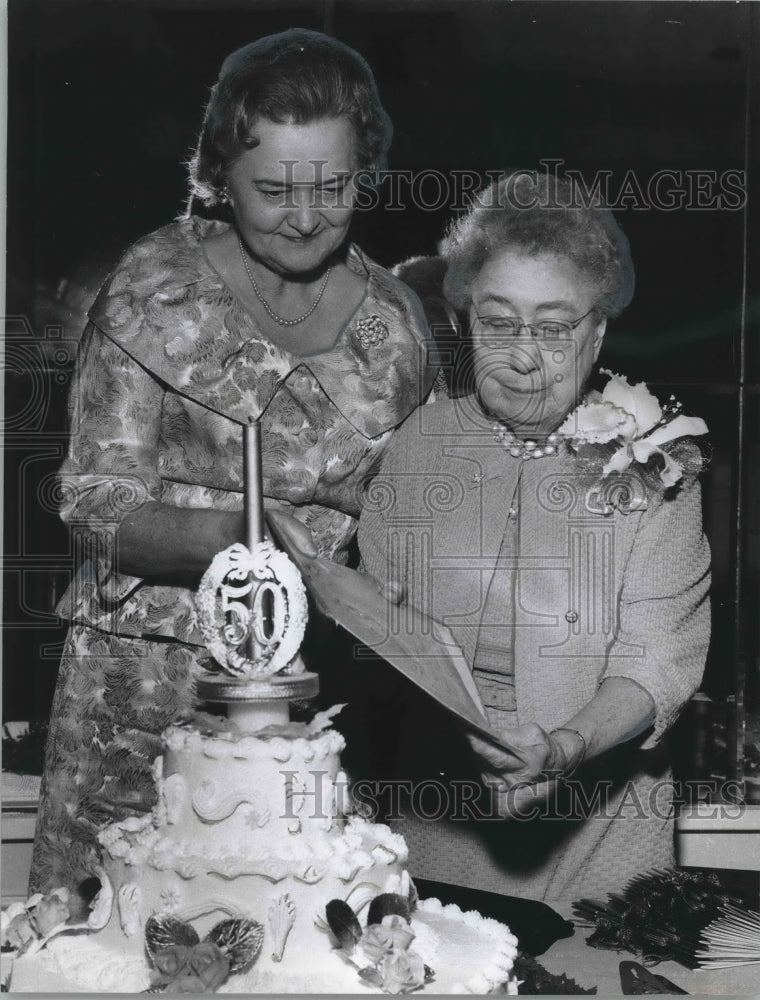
(182, 963)
(381, 951)
(393, 934)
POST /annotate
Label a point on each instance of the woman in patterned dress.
(265, 312)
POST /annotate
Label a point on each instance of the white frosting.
(128, 897)
(360, 845)
(254, 826)
(243, 821)
(174, 794)
(468, 954)
(102, 905)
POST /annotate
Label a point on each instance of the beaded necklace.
(270, 312)
(528, 448)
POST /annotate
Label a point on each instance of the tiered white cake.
(254, 826)
(226, 883)
(241, 822)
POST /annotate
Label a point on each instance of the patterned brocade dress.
(171, 366)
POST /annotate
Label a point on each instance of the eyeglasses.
(547, 329)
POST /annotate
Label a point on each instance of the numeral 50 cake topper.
(251, 602)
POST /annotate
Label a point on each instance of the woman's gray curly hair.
(296, 77)
(537, 213)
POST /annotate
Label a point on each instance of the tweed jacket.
(611, 580)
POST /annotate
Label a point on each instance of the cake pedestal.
(255, 703)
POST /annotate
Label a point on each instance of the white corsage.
(631, 416)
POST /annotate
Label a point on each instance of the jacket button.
(572, 617)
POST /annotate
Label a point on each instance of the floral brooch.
(370, 331)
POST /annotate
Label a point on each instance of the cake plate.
(254, 704)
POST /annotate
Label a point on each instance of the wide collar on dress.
(168, 308)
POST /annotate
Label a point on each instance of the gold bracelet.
(584, 747)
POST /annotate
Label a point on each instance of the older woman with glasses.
(557, 532)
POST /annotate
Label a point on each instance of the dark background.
(105, 101)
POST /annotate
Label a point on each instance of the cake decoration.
(174, 792)
(254, 822)
(381, 951)
(170, 901)
(101, 907)
(280, 918)
(258, 813)
(226, 623)
(212, 805)
(27, 924)
(26, 928)
(192, 911)
(182, 963)
(129, 908)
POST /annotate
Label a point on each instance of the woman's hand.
(620, 711)
(393, 591)
(288, 528)
(525, 777)
(299, 537)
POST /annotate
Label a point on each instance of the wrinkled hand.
(534, 752)
(523, 779)
(292, 530)
(393, 591)
(392, 588)
(296, 534)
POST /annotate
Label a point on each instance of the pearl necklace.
(270, 312)
(525, 449)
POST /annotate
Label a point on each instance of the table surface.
(599, 967)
